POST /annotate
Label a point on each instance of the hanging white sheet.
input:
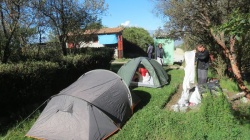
(189, 57)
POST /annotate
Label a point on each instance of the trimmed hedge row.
(26, 83)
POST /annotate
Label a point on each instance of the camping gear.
(192, 94)
(212, 86)
(92, 108)
(158, 75)
(195, 97)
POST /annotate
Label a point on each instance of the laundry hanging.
(189, 57)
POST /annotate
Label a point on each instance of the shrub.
(219, 66)
(23, 82)
(228, 84)
(30, 82)
(36, 53)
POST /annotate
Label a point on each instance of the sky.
(136, 13)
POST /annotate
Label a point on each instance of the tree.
(161, 33)
(67, 17)
(201, 19)
(236, 27)
(136, 41)
(16, 19)
(138, 36)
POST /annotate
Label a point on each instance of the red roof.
(104, 31)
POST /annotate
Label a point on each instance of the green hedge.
(31, 81)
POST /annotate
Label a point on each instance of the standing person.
(150, 51)
(202, 57)
(160, 54)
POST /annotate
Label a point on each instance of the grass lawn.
(151, 120)
(121, 60)
(215, 119)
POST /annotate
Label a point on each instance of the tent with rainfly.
(92, 108)
(156, 72)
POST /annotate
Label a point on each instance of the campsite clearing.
(214, 120)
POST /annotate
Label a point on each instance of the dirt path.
(174, 99)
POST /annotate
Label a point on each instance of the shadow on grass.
(115, 67)
(9, 121)
(168, 70)
(243, 117)
(169, 79)
(144, 99)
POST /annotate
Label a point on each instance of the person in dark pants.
(160, 54)
(150, 51)
(202, 57)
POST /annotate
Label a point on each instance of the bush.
(228, 84)
(36, 53)
(25, 82)
(219, 66)
(30, 82)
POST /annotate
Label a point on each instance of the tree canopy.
(136, 40)
(212, 23)
(69, 16)
(22, 20)
(137, 36)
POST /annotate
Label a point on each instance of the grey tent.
(92, 108)
(156, 71)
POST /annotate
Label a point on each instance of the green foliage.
(72, 18)
(23, 23)
(37, 53)
(22, 83)
(137, 36)
(135, 42)
(238, 24)
(27, 83)
(217, 119)
(214, 120)
(26, 78)
(219, 66)
(18, 132)
(149, 120)
(228, 84)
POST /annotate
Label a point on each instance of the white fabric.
(195, 98)
(146, 78)
(189, 76)
(160, 60)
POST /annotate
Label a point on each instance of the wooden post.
(120, 46)
(121, 43)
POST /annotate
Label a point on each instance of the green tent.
(156, 72)
(168, 47)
